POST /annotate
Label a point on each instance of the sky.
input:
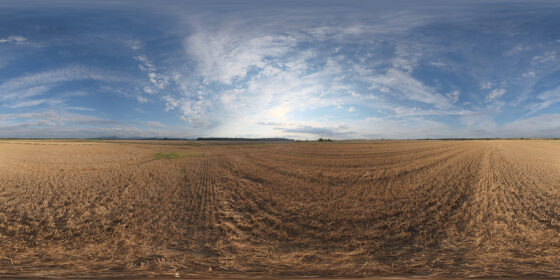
(295, 69)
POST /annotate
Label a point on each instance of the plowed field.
(377, 208)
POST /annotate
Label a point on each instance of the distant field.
(379, 208)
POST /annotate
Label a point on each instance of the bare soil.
(115, 209)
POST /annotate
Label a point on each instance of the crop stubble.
(440, 208)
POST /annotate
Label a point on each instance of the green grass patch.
(175, 155)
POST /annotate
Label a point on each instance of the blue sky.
(297, 69)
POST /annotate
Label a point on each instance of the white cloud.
(404, 64)
(18, 40)
(148, 90)
(159, 80)
(438, 64)
(170, 102)
(51, 77)
(228, 54)
(31, 103)
(18, 92)
(409, 88)
(486, 85)
(57, 123)
(384, 89)
(141, 99)
(407, 56)
(133, 44)
(337, 32)
(551, 95)
(547, 98)
(453, 96)
(541, 126)
(529, 74)
(24, 93)
(75, 93)
(58, 117)
(545, 58)
(517, 49)
(84, 119)
(78, 108)
(279, 84)
(197, 110)
(270, 76)
(256, 84)
(496, 93)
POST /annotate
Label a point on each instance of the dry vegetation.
(439, 208)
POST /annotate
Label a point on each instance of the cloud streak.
(70, 73)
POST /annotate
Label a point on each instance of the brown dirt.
(372, 208)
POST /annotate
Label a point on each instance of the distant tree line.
(244, 139)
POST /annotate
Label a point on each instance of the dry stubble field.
(437, 208)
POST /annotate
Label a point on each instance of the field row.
(459, 208)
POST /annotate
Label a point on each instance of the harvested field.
(379, 208)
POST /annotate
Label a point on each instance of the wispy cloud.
(75, 93)
(133, 44)
(229, 54)
(453, 96)
(78, 108)
(486, 85)
(19, 93)
(158, 80)
(141, 99)
(547, 99)
(407, 87)
(170, 102)
(22, 91)
(496, 93)
(18, 40)
(60, 117)
(50, 77)
(268, 77)
(517, 49)
(541, 126)
(545, 58)
(35, 102)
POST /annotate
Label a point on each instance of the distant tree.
(320, 139)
